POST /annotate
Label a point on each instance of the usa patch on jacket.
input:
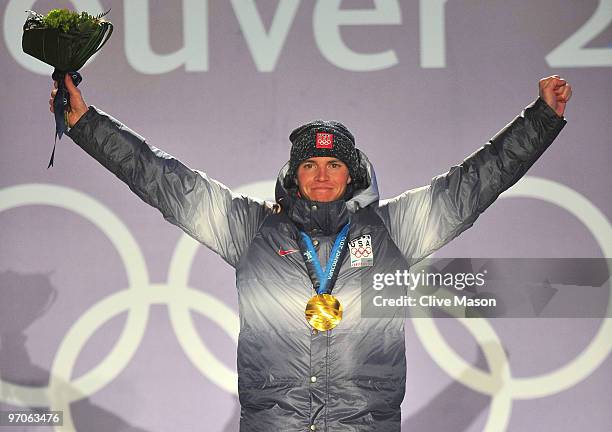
(361, 251)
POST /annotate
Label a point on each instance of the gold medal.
(323, 312)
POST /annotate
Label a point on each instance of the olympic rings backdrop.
(121, 321)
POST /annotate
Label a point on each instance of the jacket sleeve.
(423, 220)
(204, 208)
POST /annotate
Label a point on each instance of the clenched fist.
(78, 107)
(556, 92)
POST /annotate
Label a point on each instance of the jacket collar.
(316, 218)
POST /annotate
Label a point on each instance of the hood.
(328, 217)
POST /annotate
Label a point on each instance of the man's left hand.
(556, 92)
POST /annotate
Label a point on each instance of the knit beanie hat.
(327, 139)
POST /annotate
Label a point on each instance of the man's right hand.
(78, 107)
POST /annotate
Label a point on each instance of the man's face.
(322, 179)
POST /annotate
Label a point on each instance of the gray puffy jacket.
(293, 378)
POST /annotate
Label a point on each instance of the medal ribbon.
(328, 277)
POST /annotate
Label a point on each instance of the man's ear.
(349, 180)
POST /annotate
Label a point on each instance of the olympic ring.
(106, 221)
(180, 318)
(137, 300)
(601, 345)
(361, 251)
(524, 388)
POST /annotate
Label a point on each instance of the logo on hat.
(325, 140)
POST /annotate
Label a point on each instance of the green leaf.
(69, 21)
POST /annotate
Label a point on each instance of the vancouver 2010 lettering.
(266, 45)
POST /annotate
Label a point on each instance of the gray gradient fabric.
(351, 378)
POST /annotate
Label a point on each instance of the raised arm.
(425, 219)
(204, 208)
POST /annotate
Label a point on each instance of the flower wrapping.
(64, 40)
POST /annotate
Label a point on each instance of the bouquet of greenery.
(64, 40)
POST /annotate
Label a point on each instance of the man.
(334, 372)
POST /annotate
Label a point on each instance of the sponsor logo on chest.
(361, 251)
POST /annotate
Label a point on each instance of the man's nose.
(322, 174)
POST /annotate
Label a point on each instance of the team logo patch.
(325, 140)
(361, 251)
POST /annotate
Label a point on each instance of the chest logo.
(283, 252)
(361, 251)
